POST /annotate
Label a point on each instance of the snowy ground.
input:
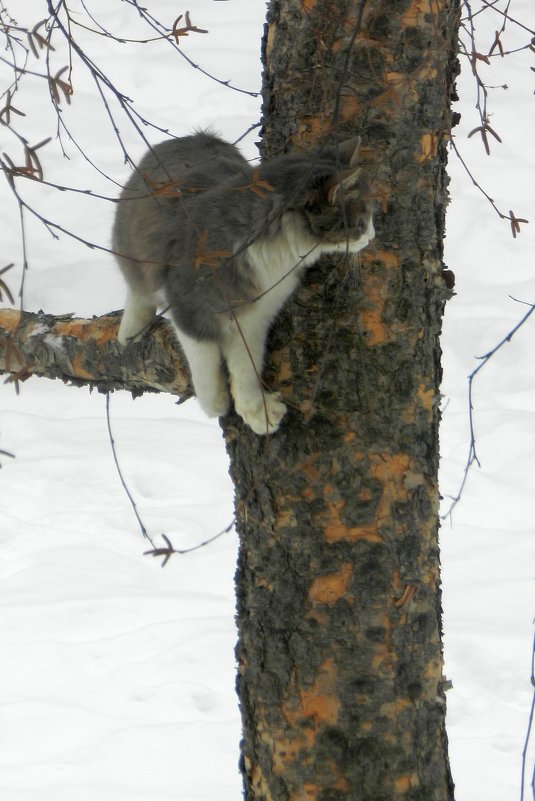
(116, 676)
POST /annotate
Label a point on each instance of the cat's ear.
(342, 185)
(348, 151)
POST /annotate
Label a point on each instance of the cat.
(222, 244)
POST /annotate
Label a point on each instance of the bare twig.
(120, 473)
(169, 549)
(529, 731)
(472, 453)
(513, 219)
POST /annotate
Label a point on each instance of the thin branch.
(120, 474)
(157, 26)
(169, 549)
(513, 219)
(529, 730)
(472, 453)
(506, 16)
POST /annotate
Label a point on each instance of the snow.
(117, 676)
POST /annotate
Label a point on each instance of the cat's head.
(329, 192)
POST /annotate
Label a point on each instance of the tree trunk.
(340, 663)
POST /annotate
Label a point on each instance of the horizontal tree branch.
(86, 353)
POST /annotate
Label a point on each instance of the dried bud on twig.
(186, 29)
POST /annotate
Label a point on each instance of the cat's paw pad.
(265, 415)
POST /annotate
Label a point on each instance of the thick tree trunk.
(340, 678)
(340, 663)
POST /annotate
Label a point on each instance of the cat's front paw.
(129, 333)
(264, 415)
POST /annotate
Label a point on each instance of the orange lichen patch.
(406, 782)
(284, 371)
(286, 519)
(426, 399)
(306, 793)
(307, 5)
(372, 315)
(429, 147)
(313, 790)
(417, 9)
(257, 779)
(271, 33)
(402, 703)
(393, 709)
(310, 130)
(374, 290)
(330, 588)
(331, 521)
(431, 576)
(261, 581)
(101, 329)
(9, 319)
(374, 326)
(391, 470)
(426, 396)
(408, 415)
(390, 466)
(78, 369)
(433, 670)
(318, 126)
(335, 529)
(319, 702)
(324, 708)
(387, 257)
(365, 495)
(349, 108)
(286, 750)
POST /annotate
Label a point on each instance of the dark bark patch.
(411, 51)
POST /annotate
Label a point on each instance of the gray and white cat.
(222, 245)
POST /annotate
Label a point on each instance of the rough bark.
(340, 663)
(86, 353)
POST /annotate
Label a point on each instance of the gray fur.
(222, 244)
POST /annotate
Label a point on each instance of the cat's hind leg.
(243, 348)
(209, 382)
(138, 314)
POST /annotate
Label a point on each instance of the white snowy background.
(117, 677)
